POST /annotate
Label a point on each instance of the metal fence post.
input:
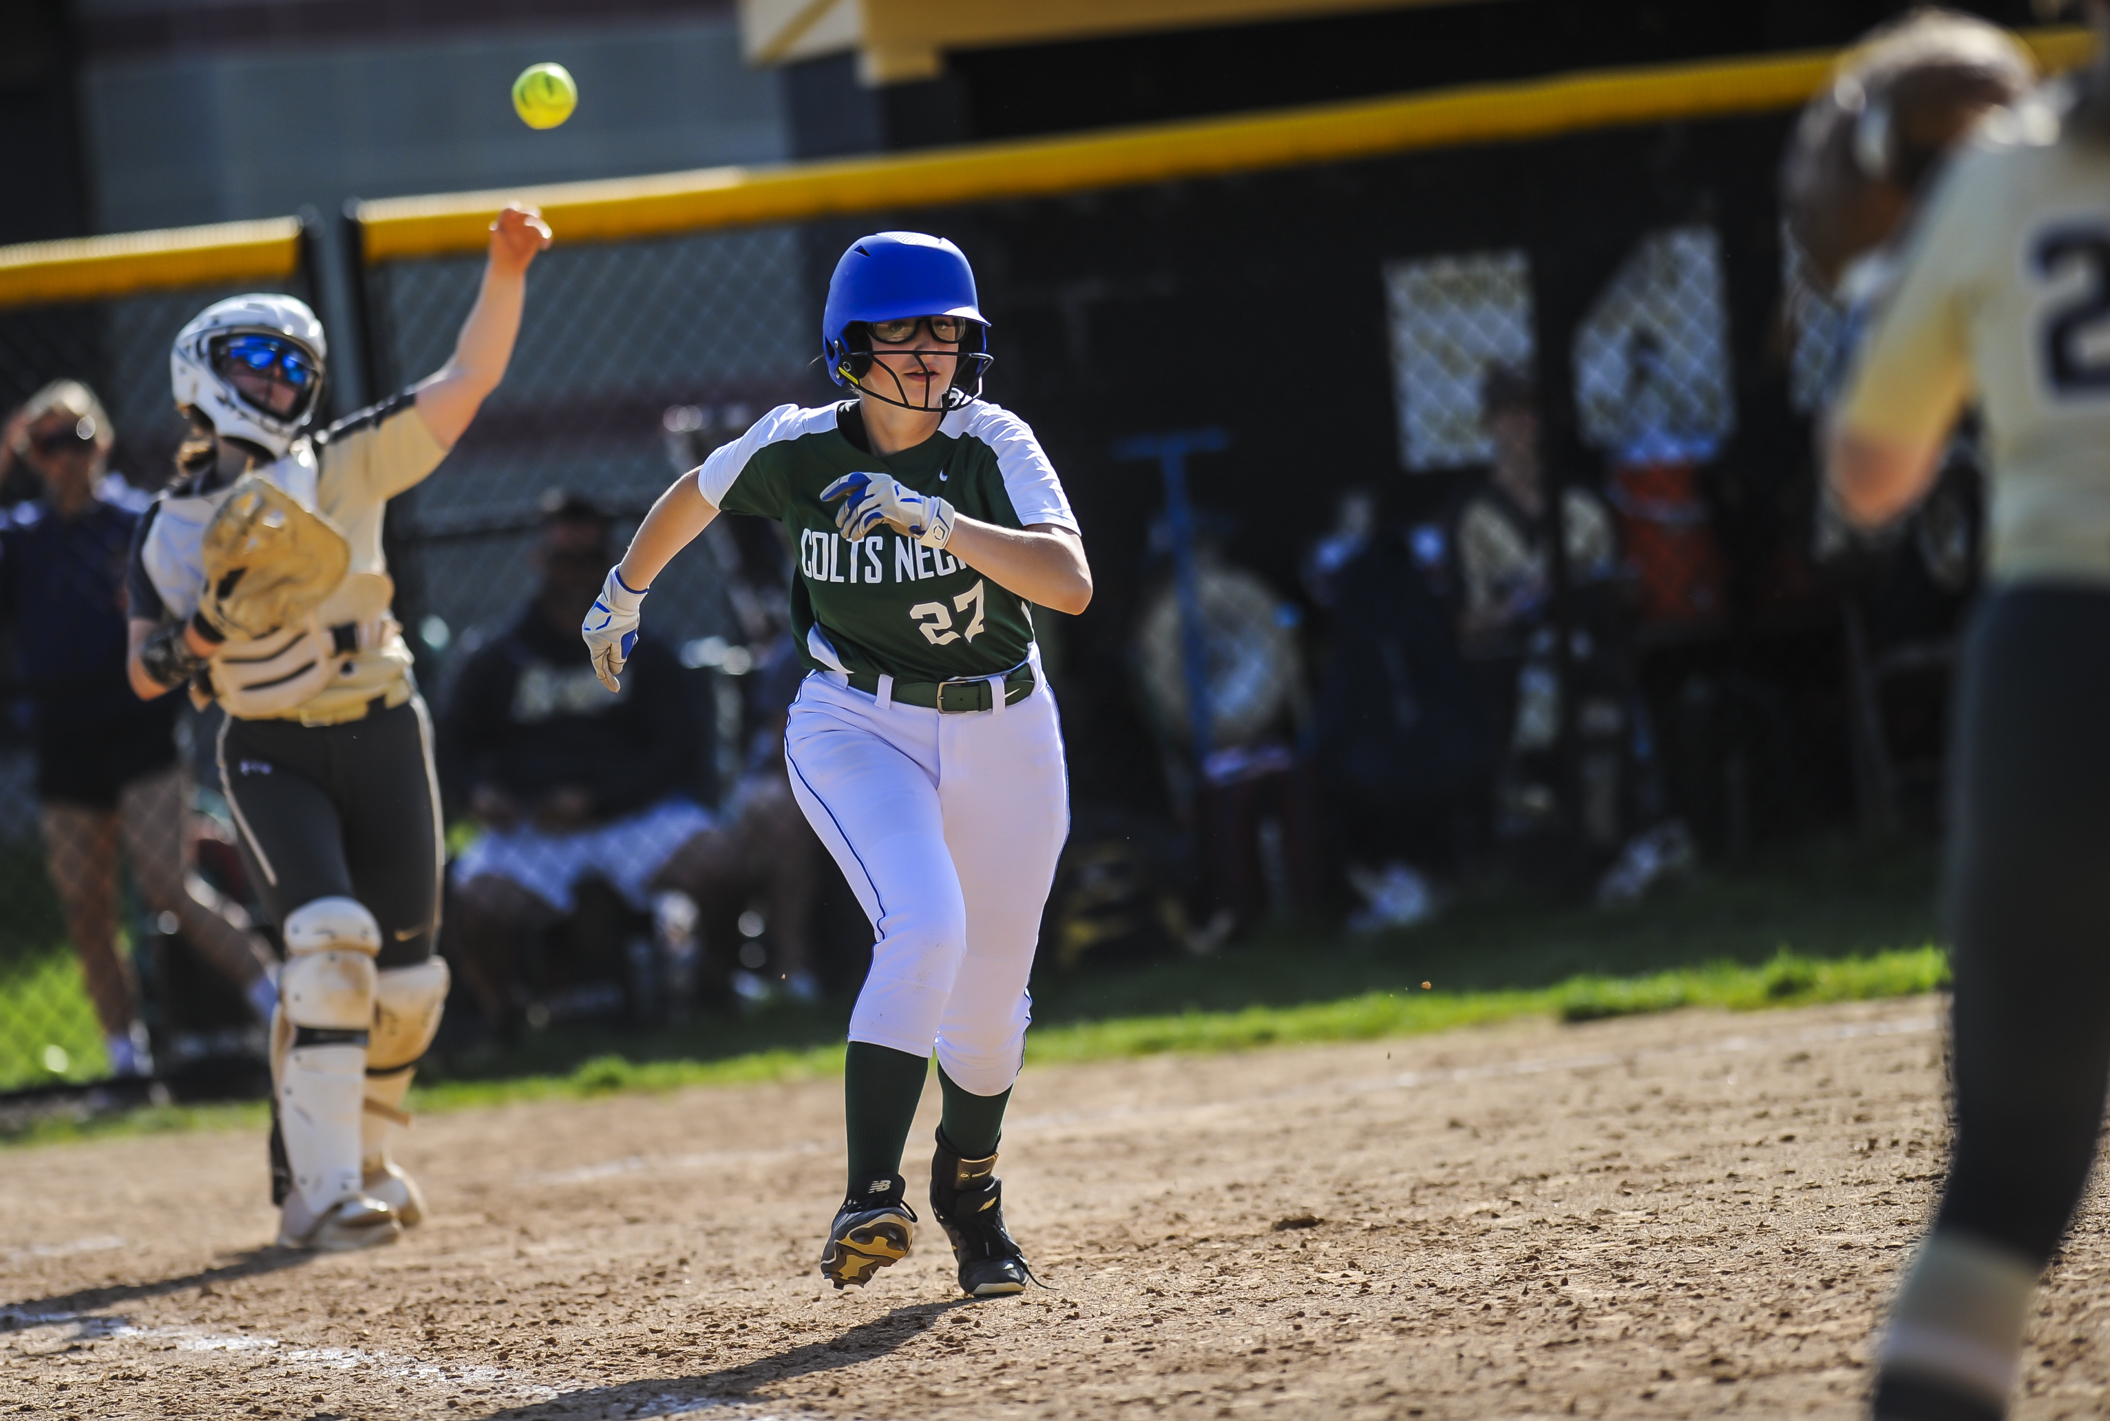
(1171, 451)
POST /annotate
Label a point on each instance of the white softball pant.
(947, 827)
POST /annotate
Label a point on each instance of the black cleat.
(968, 1199)
(871, 1230)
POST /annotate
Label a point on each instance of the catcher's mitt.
(1867, 144)
(269, 561)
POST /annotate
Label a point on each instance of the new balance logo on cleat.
(871, 1230)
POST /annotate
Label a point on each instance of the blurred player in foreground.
(107, 768)
(1997, 298)
(258, 580)
(924, 746)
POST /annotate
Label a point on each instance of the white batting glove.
(610, 628)
(872, 499)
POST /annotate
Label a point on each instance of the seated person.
(1500, 540)
(1506, 625)
(776, 849)
(567, 780)
(1403, 740)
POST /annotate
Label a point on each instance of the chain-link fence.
(126, 931)
(1320, 347)
(1445, 470)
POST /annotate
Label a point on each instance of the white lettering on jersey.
(821, 559)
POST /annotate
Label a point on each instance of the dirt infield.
(1691, 1215)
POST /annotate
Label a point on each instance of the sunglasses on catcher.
(265, 355)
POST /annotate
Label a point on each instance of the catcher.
(258, 581)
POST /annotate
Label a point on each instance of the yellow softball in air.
(544, 95)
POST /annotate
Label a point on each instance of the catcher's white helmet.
(202, 354)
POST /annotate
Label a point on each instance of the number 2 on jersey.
(935, 620)
(2076, 332)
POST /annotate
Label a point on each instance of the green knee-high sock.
(972, 1124)
(880, 1089)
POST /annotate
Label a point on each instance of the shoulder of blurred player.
(1998, 177)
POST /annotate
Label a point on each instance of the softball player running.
(924, 746)
(2000, 300)
(258, 579)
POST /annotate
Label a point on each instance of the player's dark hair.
(198, 449)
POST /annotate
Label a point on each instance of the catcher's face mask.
(277, 375)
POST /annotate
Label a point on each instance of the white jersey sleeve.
(717, 474)
(1029, 477)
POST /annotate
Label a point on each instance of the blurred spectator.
(775, 846)
(107, 769)
(1611, 784)
(1506, 618)
(1501, 543)
(569, 781)
(1355, 518)
(1404, 742)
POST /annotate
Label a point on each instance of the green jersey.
(887, 605)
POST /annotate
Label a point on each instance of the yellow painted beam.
(904, 39)
(94, 268)
(617, 208)
(908, 39)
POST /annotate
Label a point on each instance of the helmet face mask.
(261, 366)
(859, 367)
(893, 277)
(228, 365)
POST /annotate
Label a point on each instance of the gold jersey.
(2002, 298)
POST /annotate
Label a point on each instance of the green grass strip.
(1787, 980)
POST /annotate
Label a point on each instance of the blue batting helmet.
(892, 276)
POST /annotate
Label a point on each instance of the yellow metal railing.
(612, 209)
(93, 268)
(616, 208)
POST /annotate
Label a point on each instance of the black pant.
(2029, 908)
(345, 811)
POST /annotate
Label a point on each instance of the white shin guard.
(407, 1006)
(319, 1046)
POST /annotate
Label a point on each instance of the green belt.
(950, 696)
